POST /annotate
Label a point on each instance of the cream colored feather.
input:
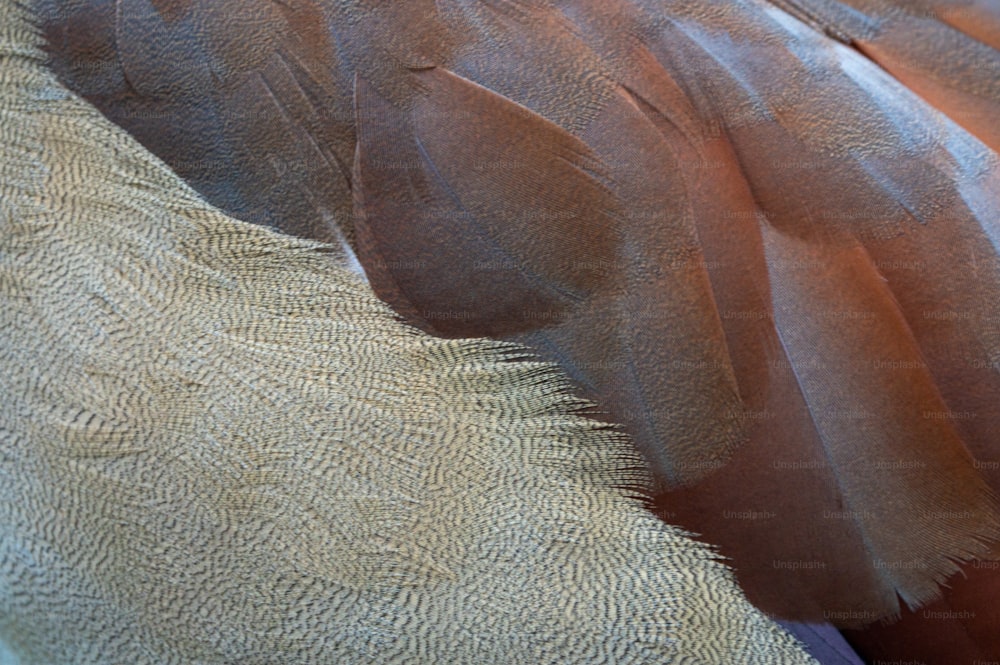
(217, 446)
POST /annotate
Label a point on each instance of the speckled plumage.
(217, 446)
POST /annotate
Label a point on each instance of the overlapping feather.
(217, 446)
(726, 222)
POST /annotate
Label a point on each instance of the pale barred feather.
(217, 446)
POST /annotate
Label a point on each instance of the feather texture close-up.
(361, 331)
(220, 447)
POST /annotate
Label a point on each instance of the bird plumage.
(761, 235)
(217, 446)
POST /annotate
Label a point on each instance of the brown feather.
(527, 208)
(960, 628)
(926, 46)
